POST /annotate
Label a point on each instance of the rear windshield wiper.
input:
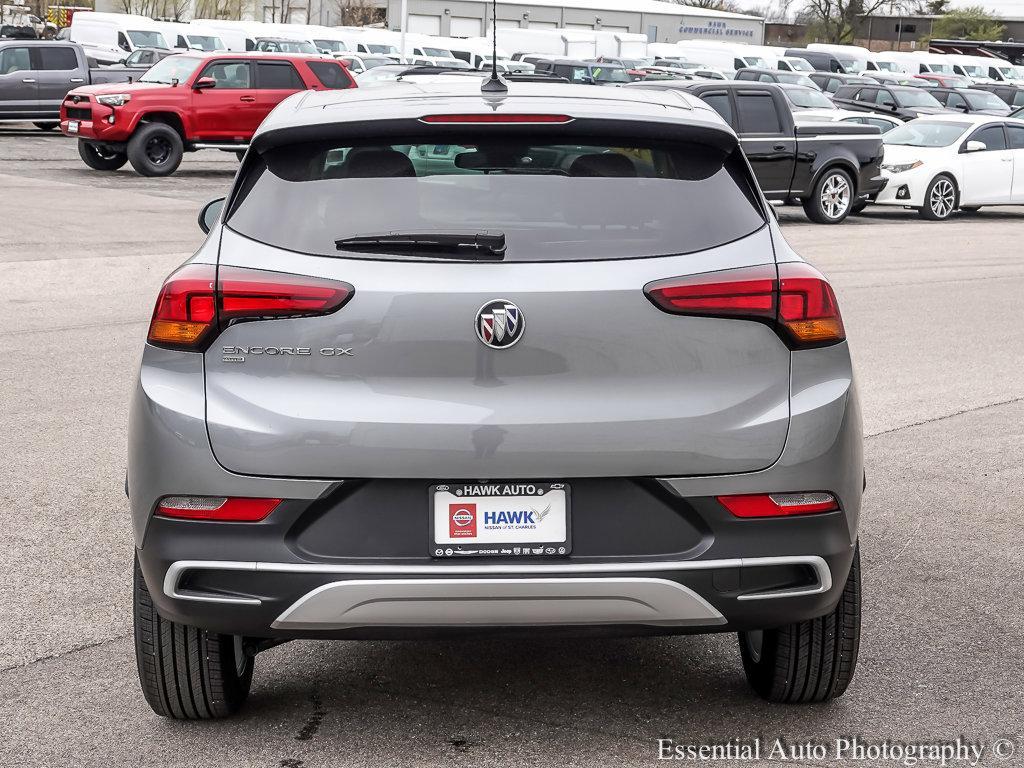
(445, 245)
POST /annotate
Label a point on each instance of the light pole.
(405, 23)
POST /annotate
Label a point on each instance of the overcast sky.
(1008, 8)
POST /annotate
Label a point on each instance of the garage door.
(606, 28)
(587, 27)
(543, 25)
(466, 27)
(424, 25)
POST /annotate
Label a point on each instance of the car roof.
(462, 95)
(207, 55)
(963, 119)
(796, 87)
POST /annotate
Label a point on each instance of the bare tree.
(836, 20)
(357, 13)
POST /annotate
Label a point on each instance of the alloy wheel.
(835, 196)
(942, 198)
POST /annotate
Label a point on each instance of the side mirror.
(976, 146)
(962, 107)
(203, 83)
(210, 214)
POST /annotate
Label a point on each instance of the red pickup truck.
(188, 102)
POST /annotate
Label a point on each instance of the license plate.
(72, 126)
(512, 519)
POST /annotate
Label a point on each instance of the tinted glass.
(330, 75)
(914, 97)
(14, 60)
(278, 77)
(744, 75)
(206, 42)
(228, 74)
(720, 103)
(883, 125)
(334, 46)
(992, 136)
(554, 199)
(982, 100)
(757, 113)
(808, 98)
(1016, 134)
(58, 58)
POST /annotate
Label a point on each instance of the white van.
(475, 51)
(777, 59)
(235, 35)
(109, 37)
(724, 57)
(552, 42)
(975, 68)
(938, 63)
(331, 40)
(854, 58)
(897, 61)
(191, 37)
(381, 42)
(621, 45)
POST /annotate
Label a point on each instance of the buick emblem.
(499, 324)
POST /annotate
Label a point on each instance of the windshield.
(172, 68)
(606, 74)
(286, 46)
(633, 63)
(916, 98)
(808, 98)
(795, 79)
(206, 42)
(380, 74)
(940, 69)
(923, 133)
(334, 46)
(1010, 73)
(887, 66)
(800, 65)
(973, 70)
(377, 48)
(851, 65)
(755, 61)
(147, 39)
(557, 198)
(985, 100)
(438, 53)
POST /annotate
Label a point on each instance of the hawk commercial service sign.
(718, 29)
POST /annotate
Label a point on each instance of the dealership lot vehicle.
(187, 103)
(970, 101)
(830, 82)
(1011, 94)
(940, 164)
(904, 102)
(35, 75)
(109, 37)
(776, 76)
(831, 169)
(441, 285)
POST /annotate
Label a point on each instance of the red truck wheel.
(155, 149)
(100, 159)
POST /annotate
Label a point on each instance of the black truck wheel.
(187, 673)
(810, 661)
(100, 159)
(155, 149)
(831, 199)
(45, 126)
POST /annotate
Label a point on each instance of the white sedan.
(938, 164)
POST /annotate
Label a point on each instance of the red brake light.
(216, 508)
(794, 297)
(495, 118)
(189, 311)
(779, 504)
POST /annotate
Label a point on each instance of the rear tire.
(831, 199)
(940, 199)
(809, 661)
(99, 159)
(45, 126)
(187, 673)
(858, 208)
(155, 149)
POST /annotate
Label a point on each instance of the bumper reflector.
(779, 504)
(216, 508)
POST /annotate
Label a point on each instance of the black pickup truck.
(36, 75)
(832, 169)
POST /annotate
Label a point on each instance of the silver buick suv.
(454, 361)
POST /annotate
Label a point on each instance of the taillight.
(190, 311)
(496, 118)
(794, 298)
(779, 504)
(216, 508)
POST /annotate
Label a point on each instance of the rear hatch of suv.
(494, 321)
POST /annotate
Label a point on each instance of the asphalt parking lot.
(933, 312)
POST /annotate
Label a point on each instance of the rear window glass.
(553, 200)
(330, 74)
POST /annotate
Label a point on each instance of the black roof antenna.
(494, 84)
